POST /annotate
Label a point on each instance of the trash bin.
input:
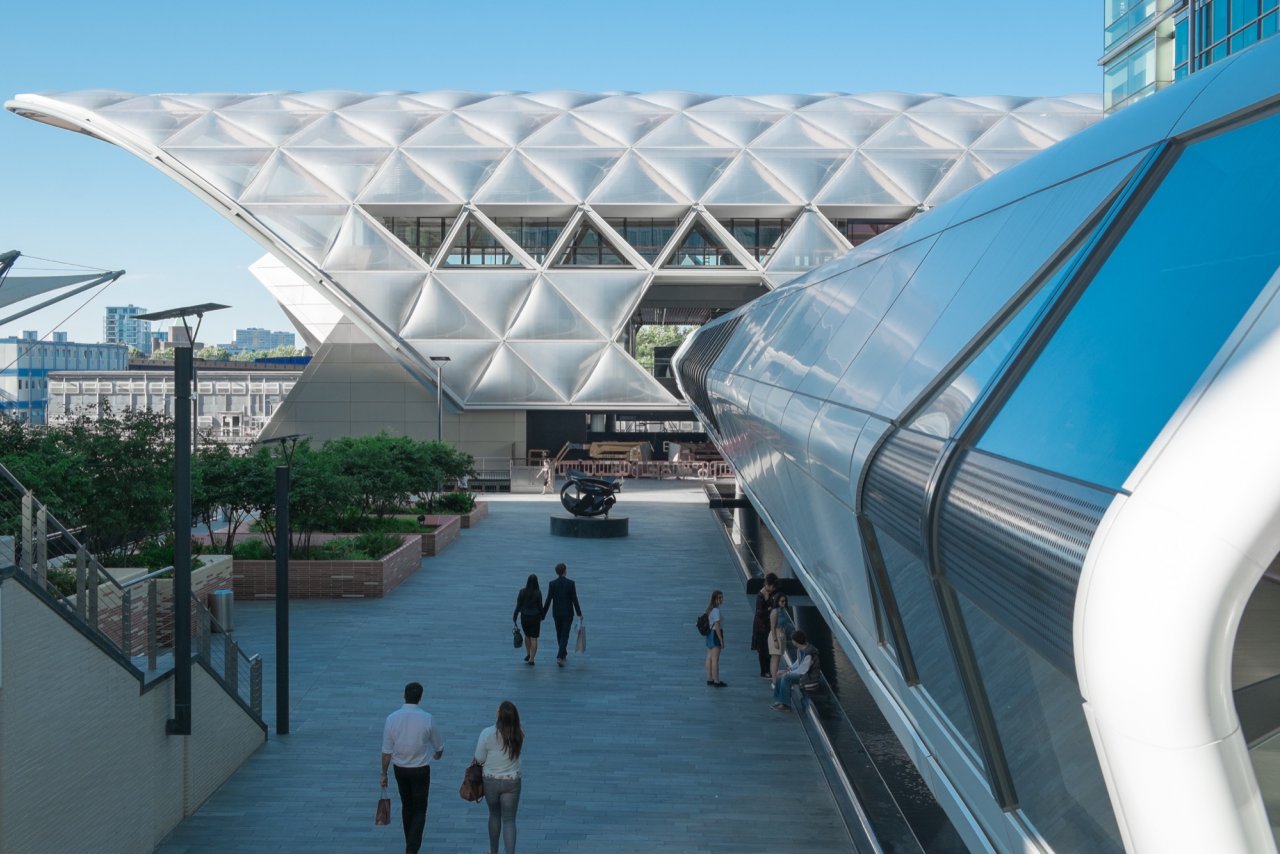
(220, 605)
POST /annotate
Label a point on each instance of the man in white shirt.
(799, 671)
(411, 742)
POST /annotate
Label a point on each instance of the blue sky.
(71, 198)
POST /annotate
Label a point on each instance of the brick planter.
(330, 579)
(215, 574)
(469, 519)
(446, 531)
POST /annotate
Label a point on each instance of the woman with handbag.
(498, 753)
(529, 613)
(780, 629)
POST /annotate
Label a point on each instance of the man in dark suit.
(562, 602)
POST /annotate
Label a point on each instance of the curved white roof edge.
(60, 114)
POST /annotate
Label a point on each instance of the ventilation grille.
(1014, 540)
(893, 495)
(695, 363)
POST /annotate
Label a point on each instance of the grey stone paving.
(627, 749)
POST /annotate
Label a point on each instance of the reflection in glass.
(918, 604)
(701, 248)
(475, 246)
(647, 236)
(423, 234)
(534, 234)
(757, 236)
(859, 231)
(1040, 717)
(589, 248)
(1154, 315)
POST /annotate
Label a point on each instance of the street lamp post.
(287, 446)
(439, 360)
(180, 723)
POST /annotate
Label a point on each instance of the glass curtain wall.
(646, 235)
(423, 234)
(1214, 29)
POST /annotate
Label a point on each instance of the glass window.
(922, 621)
(475, 246)
(589, 248)
(423, 234)
(1039, 716)
(1154, 315)
(535, 235)
(701, 248)
(1121, 17)
(757, 236)
(1132, 74)
(647, 236)
(859, 231)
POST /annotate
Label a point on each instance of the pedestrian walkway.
(627, 749)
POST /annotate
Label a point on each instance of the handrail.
(141, 578)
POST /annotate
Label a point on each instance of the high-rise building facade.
(27, 361)
(120, 325)
(1148, 44)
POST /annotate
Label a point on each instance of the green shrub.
(377, 545)
(63, 580)
(252, 550)
(452, 502)
(392, 525)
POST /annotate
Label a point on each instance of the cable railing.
(131, 617)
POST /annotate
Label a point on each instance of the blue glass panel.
(1040, 719)
(1154, 316)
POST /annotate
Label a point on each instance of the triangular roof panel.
(795, 132)
(495, 297)
(1013, 134)
(517, 181)
(333, 132)
(738, 128)
(682, 132)
(675, 99)
(577, 171)
(391, 127)
(967, 172)
(917, 172)
(606, 297)
(851, 127)
(809, 243)
(564, 99)
(508, 102)
(617, 378)
(308, 230)
(511, 128)
(627, 127)
(510, 380)
(362, 245)
(805, 172)
(475, 245)
(569, 131)
(565, 365)
(632, 181)
(330, 99)
(468, 360)
(904, 133)
(746, 182)
(589, 247)
(446, 99)
(213, 131)
(700, 246)
(228, 169)
(958, 128)
(691, 171)
(401, 181)
(861, 183)
(438, 314)
(451, 130)
(284, 180)
(344, 170)
(386, 296)
(153, 126)
(274, 126)
(460, 170)
(546, 314)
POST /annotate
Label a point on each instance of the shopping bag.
(382, 816)
(472, 788)
(581, 644)
(517, 639)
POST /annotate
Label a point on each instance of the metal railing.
(133, 618)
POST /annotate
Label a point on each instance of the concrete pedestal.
(589, 527)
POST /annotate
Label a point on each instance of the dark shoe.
(559, 662)
(766, 676)
(526, 658)
(529, 662)
(781, 707)
(710, 682)
(721, 684)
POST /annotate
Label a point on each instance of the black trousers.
(415, 788)
(563, 625)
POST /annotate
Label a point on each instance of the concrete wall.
(352, 388)
(85, 764)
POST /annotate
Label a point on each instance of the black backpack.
(704, 624)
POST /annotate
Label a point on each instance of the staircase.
(128, 621)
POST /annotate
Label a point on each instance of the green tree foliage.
(282, 350)
(383, 470)
(229, 485)
(649, 337)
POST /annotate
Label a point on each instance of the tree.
(380, 467)
(230, 485)
(648, 337)
(213, 354)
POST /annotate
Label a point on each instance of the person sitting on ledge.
(806, 657)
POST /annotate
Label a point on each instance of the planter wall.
(330, 579)
(481, 510)
(446, 531)
(215, 574)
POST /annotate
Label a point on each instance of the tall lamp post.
(439, 360)
(287, 446)
(180, 723)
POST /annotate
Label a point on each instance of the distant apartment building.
(27, 362)
(261, 339)
(120, 325)
(231, 405)
(1148, 44)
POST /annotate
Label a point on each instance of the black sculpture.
(589, 496)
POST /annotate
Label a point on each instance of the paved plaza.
(627, 749)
